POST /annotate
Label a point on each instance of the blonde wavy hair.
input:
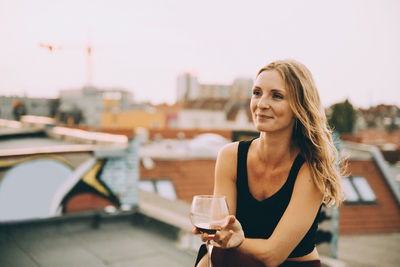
(310, 131)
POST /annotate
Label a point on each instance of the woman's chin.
(262, 128)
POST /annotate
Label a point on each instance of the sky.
(352, 47)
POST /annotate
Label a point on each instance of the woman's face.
(270, 103)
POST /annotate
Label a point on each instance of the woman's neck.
(274, 149)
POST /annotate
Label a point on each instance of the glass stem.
(209, 251)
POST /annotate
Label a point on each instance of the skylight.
(357, 190)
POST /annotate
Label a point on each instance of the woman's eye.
(278, 96)
(256, 92)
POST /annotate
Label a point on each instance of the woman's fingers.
(204, 238)
(229, 236)
(229, 221)
(217, 237)
(222, 237)
(226, 238)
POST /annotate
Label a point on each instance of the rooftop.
(134, 238)
(36, 135)
(202, 146)
(139, 239)
(117, 242)
(156, 233)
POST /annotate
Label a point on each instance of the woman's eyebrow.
(278, 90)
(274, 90)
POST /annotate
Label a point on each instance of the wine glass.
(208, 213)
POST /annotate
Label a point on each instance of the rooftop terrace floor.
(115, 243)
(381, 250)
(145, 242)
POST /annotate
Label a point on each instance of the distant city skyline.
(351, 47)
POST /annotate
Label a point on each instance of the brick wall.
(382, 217)
(190, 177)
(376, 137)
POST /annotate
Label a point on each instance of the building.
(190, 89)
(241, 88)
(171, 114)
(203, 114)
(239, 116)
(148, 118)
(372, 194)
(200, 114)
(380, 117)
(187, 165)
(213, 106)
(215, 114)
(91, 102)
(46, 107)
(214, 91)
(386, 140)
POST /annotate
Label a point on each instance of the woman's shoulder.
(226, 164)
(305, 180)
(229, 150)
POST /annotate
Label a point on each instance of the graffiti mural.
(33, 187)
(26, 189)
(90, 193)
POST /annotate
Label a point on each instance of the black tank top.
(259, 218)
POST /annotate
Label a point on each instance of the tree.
(343, 117)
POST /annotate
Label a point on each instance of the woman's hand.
(231, 234)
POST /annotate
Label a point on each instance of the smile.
(259, 116)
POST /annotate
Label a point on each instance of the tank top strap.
(294, 170)
(243, 149)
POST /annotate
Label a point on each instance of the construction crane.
(88, 48)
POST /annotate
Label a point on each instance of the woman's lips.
(264, 116)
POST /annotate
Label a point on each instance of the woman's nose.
(264, 103)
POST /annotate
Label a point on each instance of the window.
(350, 192)
(163, 187)
(357, 190)
(147, 186)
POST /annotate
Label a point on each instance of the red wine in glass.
(206, 228)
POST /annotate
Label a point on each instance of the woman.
(273, 197)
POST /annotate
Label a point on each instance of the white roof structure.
(202, 146)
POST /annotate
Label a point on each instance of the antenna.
(89, 58)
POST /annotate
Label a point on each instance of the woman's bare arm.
(224, 183)
(225, 175)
